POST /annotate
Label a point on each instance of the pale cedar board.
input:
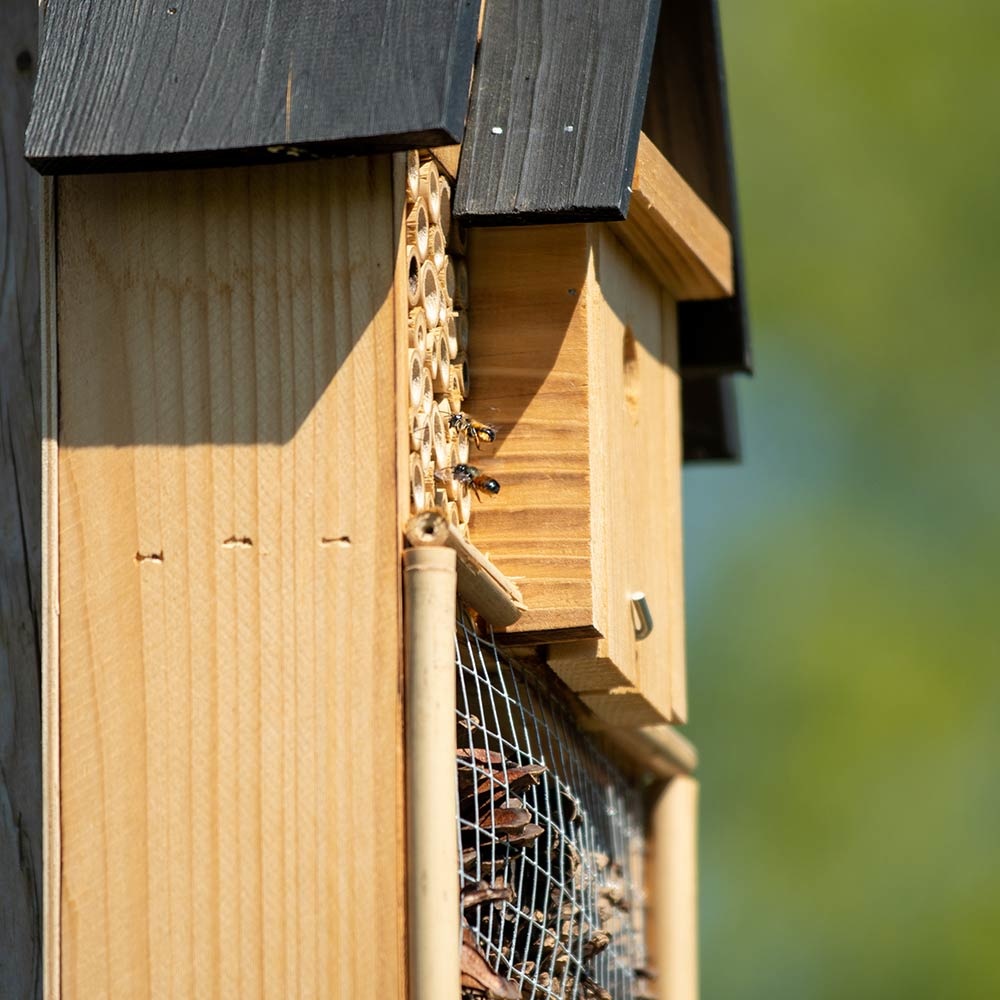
(181, 83)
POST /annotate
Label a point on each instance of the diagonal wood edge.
(674, 232)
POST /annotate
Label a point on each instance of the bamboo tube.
(441, 500)
(430, 297)
(462, 364)
(412, 174)
(418, 493)
(412, 276)
(418, 328)
(426, 392)
(480, 583)
(465, 504)
(444, 192)
(451, 335)
(430, 189)
(433, 912)
(462, 329)
(430, 487)
(439, 436)
(416, 362)
(461, 292)
(422, 437)
(454, 517)
(433, 356)
(442, 365)
(675, 885)
(448, 278)
(418, 229)
(435, 246)
(463, 448)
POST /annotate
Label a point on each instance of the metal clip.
(641, 618)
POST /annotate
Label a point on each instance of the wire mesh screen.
(551, 841)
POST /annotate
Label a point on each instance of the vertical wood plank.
(229, 642)
(21, 877)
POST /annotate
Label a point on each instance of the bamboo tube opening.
(412, 174)
(441, 360)
(418, 229)
(416, 360)
(434, 917)
(418, 495)
(445, 198)
(435, 244)
(430, 297)
(426, 392)
(418, 329)
(451, 335)
(412, 276)
(448, 278)
(430, 189)
(439, 434)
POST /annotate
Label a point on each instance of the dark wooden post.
(20, 516)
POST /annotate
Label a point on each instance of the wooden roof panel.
(150, 86)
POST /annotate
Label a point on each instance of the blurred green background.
(844, 630)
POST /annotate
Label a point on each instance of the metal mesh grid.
(574, 925)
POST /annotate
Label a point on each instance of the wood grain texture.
(674, 232)
(20, 521)
(574, 352)
(687, 118)
(229, 636)
(556, 106)
(148, 86)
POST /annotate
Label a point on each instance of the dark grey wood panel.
(556, 106)
(687, 118)
(124, 86)
(20, 521)
(710, 420)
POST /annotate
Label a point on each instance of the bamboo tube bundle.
(418, 229)
(430, 189)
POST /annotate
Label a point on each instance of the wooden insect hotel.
(375, 336)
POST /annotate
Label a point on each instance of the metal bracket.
(642, 619)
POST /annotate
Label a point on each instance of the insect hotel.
(376, 334)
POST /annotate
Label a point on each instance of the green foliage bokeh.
(844, 629)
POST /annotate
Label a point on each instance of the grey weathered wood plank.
(20, 521)
(556, 106)
(126, 86)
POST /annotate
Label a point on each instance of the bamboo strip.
(480, 583)
(430, 189)
(430, 580)
(418, 229)
(412, 175)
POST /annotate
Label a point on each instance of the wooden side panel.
(637, 526)
(144, 86)
(528, 356)
(229, 646)
(556, 106)
(20, 521)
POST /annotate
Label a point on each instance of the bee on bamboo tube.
(463, 422)
(470, 476)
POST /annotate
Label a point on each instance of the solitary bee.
(463, 422)
(470, 476)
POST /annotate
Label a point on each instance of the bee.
(463, 422)
(470, 476)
